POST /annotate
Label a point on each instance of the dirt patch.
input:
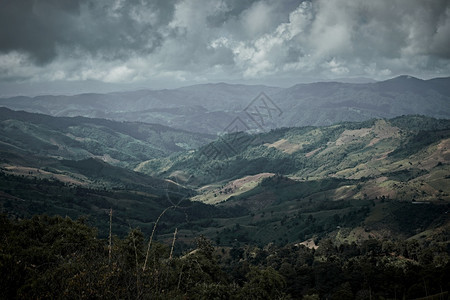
(383, 130)
(213, 195)
(311, 153)
(76, 138)
(238, 183)
(285, 146)
(436, 154)
(309, 244)
(344, 192)
(107, 158)
(382, 156)
(380, 131)
(349, 136)
(180, 176)
(41, 174)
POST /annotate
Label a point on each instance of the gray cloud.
(27, 26)
(113, 29)
(206, 40)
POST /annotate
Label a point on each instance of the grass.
(214, 194)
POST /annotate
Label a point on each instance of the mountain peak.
(404, 83)
(405, 77)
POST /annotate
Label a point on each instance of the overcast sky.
(115, 44)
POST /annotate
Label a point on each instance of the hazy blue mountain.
(211, 108)
(332, 102)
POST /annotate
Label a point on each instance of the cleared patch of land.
(76, 179)
(285, 146)
(212, 194)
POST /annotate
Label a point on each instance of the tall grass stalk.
(151, 236)
(110, 236)
(173, 242)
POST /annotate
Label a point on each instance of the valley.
(300, 182)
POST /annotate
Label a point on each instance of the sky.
(71, 46)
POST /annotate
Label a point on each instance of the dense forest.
(59, 258)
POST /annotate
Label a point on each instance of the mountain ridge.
(210, 108)
(121, 143)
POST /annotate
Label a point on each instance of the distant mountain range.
(212, 108)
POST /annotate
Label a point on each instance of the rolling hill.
(119, 143)
(77, 166)
(349, 175)
(369, 149)
(351, 180)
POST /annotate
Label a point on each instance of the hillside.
(119, 143)
(373, 149)
(75, 166)
(136, 201)
(350, 181)
(210, 108)
(306, 181)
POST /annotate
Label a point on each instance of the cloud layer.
(208, 40)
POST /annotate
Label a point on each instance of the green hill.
(136, 200)
(373, 149)
(297, 183)
(119, 143)
(350, 180)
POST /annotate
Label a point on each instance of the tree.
(263, 284)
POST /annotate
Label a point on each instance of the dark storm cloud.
(201, 40)
(110, 28)
(34, 28)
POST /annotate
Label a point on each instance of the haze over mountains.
(210, 108)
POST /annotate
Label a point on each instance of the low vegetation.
(57, 258)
